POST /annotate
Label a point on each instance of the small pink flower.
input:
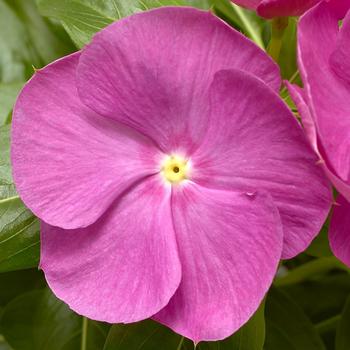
(278, 8)
(166, 172)
(324, 51)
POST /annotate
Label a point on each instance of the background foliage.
(308, 308)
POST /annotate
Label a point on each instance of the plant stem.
(249, 28)
(278, 27)
(309, 270)
(84, 334)
(291, 80)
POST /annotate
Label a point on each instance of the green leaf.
(7, 187)
(19, 229)
(146, 335)
(321, 298)
(150, 335)
(18, 282)
(15, 56)
(42, 36)
(26, 40)
(83, 18)
(8, 94)
(38, 320)
(342, 340)
(19, 236)
(320, 245)
(287, 326)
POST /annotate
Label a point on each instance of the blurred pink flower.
(324, 51)
(278, 8)
(168, 174)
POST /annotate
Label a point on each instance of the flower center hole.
(176, 169)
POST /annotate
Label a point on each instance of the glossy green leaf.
(8, 94)
(7, 188)
(37, 320)
(149, 335)
(83, 18)
(19, 236)
(146, 335)
(16, 283)
(323, 297)
(19, 229)
(342, 340)
(287, 326)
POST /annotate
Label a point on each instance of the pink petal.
(249, 4)
(69, 163)
(339, 7)
(229, 246)
(339, 59)
(278, 8)
(152, 71)
(254, 146)
(124, 267)
(299, 97)
(339, 231)
(327, 94)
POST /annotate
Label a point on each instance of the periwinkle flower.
(324, 51)
(169, 176)
(278, 8)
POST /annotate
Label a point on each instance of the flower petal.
(339, 59)
(254, 146)
(152, 71)
(69, 163)
(299, 97)
(124, 267)
(277, 8)
(339, 8)
(229, 245)
(327, 94)
(339, 230)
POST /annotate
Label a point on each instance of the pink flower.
(278, 8)
(167, 172)
(324, 51)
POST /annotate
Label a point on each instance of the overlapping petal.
(252, 146)
(328, 95)
(69, 163)
(323, 104)
(339, 59)
(299, 97)
(339, 230)
(278, 8)
(123, 268)
(224, 241)
(152, 71)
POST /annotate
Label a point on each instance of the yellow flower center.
(175, 169)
